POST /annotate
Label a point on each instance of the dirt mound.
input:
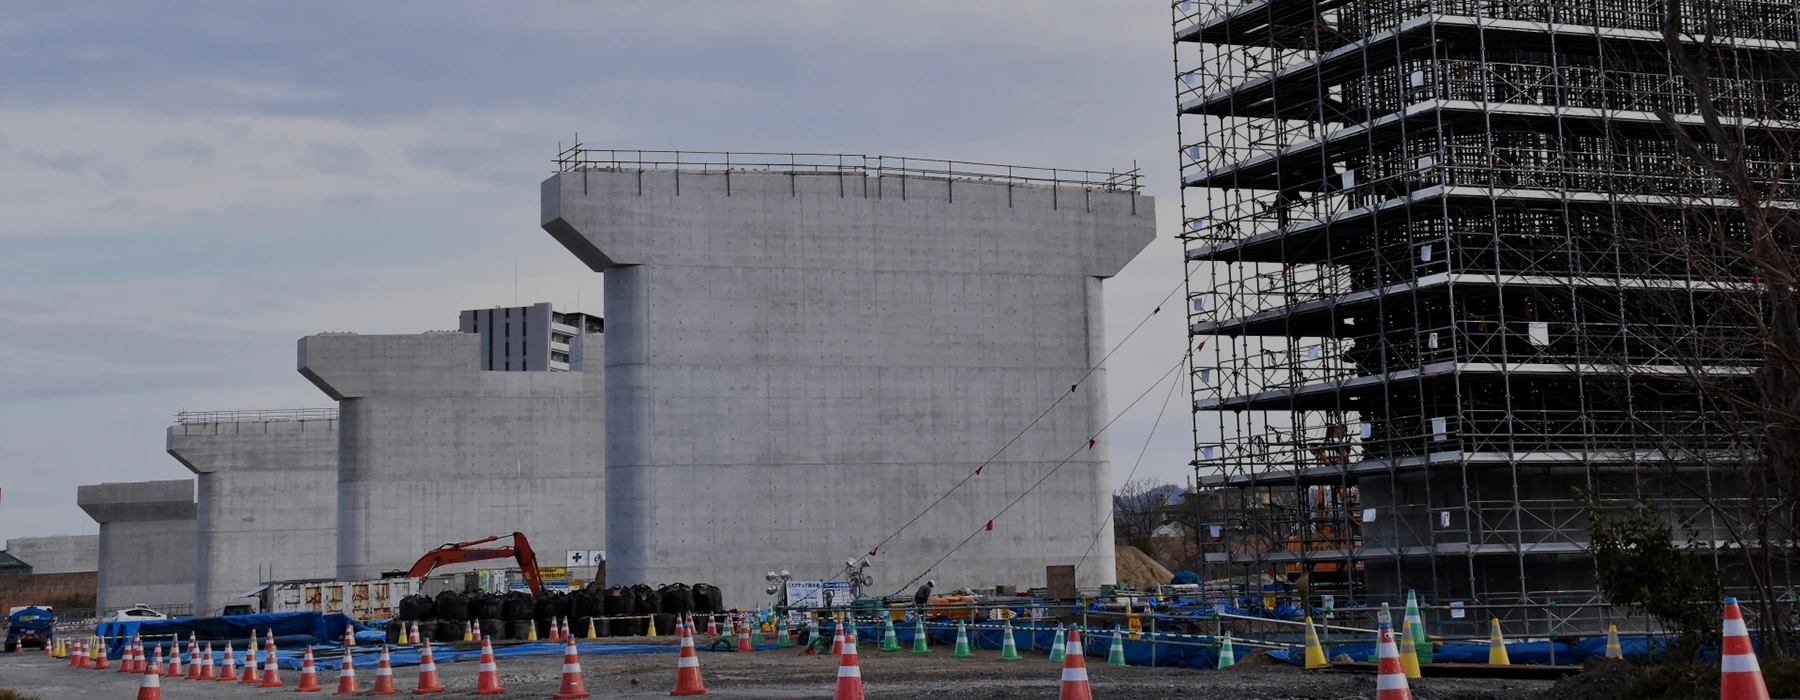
(1135, 567)
(1600, 679)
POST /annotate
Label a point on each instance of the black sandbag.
(493, 627)
(665, 624)
(618, 601)
(393, 630)
(551, 604)
(602, 627)
(484, 606)
(585, 603)
(708, 598)
(543, 627)
(518, 629)
(648, 602)
(417, 607)
(450, 631)
(677, 598)
(427, 630)
(453, 606)
(578, 627)
(518, 606)
(625, 626)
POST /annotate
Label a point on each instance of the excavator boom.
(462, 552)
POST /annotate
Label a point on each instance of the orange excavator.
(462, 552)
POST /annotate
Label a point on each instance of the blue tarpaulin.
(1534, 653)
(1184, 651)
(296, 629)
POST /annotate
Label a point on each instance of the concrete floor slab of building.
(432, 449)
(146, 542)
(267, 498)
(57, 554)
(799, 363)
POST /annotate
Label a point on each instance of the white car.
(138, 613)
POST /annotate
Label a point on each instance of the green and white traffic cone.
(962, 642)
(889, 640)
(1116, 655)
(1421, 641)
(1058, 646)
(755, 632)
(1227, 657)
(1009, 649)
(782, 639)
(921, 640)
(812, 630)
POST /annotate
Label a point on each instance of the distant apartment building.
(532, 338)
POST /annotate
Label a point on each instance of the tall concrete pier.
(801, 360)
(267, 497)
(146, 542)
(432, 449)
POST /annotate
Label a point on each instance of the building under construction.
(1418, 320)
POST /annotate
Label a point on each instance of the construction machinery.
(462, 552)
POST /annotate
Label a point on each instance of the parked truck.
(30, 626)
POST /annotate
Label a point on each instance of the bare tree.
(1139, 507)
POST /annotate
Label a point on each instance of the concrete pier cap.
(146, 541)
(805, 352)
(267, 497)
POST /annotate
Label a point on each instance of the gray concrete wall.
(146, 541)
(59, 554)
(267, 503)
(431, 449)
(796, 366)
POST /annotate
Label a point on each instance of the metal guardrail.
(194, 417)
(576, 158)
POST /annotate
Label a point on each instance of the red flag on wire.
(990, 525)
(1090, 444)
(1072, 387)
(978, 469)
(1202, 345)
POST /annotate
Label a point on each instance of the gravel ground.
(787, 674)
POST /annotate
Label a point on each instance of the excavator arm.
(462, 552)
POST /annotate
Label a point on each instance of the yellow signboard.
(555, 573)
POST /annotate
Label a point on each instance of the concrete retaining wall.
(146, 542)
(59, 554)
(434, 450)
(267, 507)
(796, 366)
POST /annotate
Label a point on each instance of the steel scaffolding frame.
(1410, 309)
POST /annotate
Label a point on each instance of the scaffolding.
(1414, 317)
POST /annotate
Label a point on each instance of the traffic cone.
(712, 625)
(173, 670)
(151, 687)
(1074, 675)
(962, 642)
(49, 650)
(1421, 641)
(921, 638)
(75, 655)
(755, 632)
(206, 665)
(469, 632)
(347, 675)
(1009, 649)
(403, 639)
(418, 639)
(193, 655)
(837, 638)
(228, 669)
(271, 667)
(487, 679)
(1115, 654)
(1612, 643)
(428, 678)
(572, 684)
(99, 654)
(889, 640)
(1390, 679)
(1315, 654)
(1409, 656)
(309, 674)
(1058, 650)
(849, 678)
(349, 635)
(1740, 676)
(252, 664)
(744, 637)
(782, 639)
(650, 630)
(592, 629)
(141, 661)
(687, 668)
(1497, 646)
(384, 675)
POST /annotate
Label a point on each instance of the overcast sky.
(188, 188)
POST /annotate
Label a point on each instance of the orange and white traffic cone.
(416, 639)
(193, 670)
(99, 655)
(76, 658)
(744, 636)
(1390, 678)
(206, 665)
(428, 678)
(252, 669)
(228, 669)
(173, 670)
(572, 684)
(140, 661)
(712, 625)
(384, 675)
(347, 675)
(687, 668)
(1074, 675)
(309, 674)
(151, 687)
(1740, 676)
(849, 679)
(271, 677)
(487, 678)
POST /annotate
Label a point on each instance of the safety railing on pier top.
(576, 158)
(194, 417)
